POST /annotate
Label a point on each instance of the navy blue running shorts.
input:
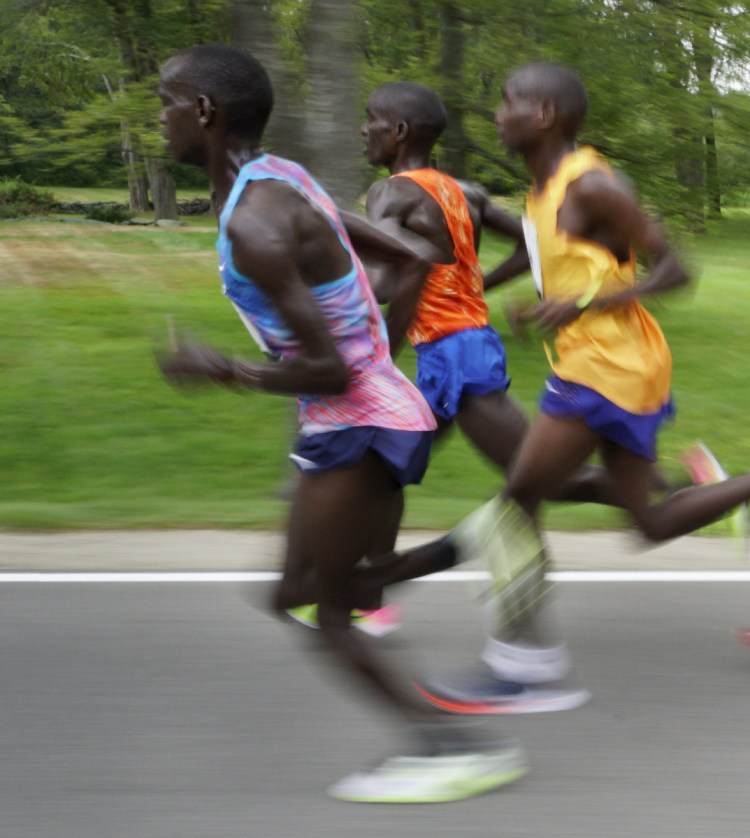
(633, 431)
(405, 453)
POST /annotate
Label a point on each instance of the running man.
(461, 361)
(289, 268)
(609, 390)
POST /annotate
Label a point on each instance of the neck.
(409, 160)
(224, 165)
(544, 160)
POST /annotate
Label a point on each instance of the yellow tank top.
(452, 297)
(619, 352)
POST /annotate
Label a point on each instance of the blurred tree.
(667, 79)
(92, 64)
(310, 49)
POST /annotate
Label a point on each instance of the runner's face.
(180, 124)
(516, 117)
(379, 136)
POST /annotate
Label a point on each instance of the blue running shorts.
(406, 453)
(469, 362)
(633, 431)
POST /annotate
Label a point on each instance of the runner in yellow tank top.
(620, 351)
(610, 385)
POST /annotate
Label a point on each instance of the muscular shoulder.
(476, 194)
(277, 212)
(602, 207)
(599, 196)
(600, 188)
(266, 223)
(394, 197)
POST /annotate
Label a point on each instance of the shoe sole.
(530, 701)
(446, 792)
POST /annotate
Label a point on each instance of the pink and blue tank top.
(378, 393)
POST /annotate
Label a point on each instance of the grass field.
(91, 437)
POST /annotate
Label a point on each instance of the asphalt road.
(162, 710)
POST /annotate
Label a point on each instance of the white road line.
(448, 576)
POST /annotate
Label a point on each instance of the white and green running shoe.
(504, 536)
(433, 779)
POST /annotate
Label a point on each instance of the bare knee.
(651, 525)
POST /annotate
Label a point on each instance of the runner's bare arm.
(393, 206)
(265, 246)
(605, 210)
(389, 203)
(388, 260)
(494, 218)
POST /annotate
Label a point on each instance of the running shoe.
(306, 615)
(377, 623)
(503, 536)
(484, 694)
(703, 468)
(434, 779)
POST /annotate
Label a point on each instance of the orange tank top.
(452, 298)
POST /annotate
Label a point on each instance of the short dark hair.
(559, 84)
(417, 105)
(232, 78)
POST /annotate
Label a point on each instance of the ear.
(206, 110)
(402, 130)
(547, 113)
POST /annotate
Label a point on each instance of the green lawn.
(86, 194)
(91, 437)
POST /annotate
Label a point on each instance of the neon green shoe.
(307, 615)
(435, 779)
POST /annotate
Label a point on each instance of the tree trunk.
(137, 183)
(713, 185)
(454, 142)
(252, 30)
(704, 64)
(332, 134)
(689, 169)
(163, 190)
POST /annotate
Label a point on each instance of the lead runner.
(289, 267)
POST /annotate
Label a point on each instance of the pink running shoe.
(702, 465)
(380, 622)
(703, 468)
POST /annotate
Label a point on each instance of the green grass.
(85, 194)
(91, 437)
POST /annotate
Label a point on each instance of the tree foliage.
(667, 80)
